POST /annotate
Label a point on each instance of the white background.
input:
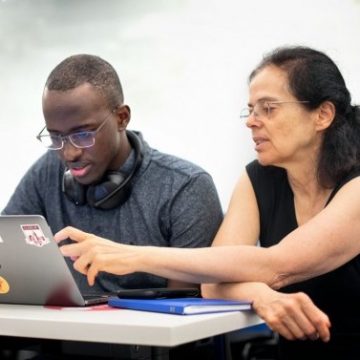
(183, 65)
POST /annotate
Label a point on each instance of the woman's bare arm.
(324, 243)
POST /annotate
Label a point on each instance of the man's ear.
(325, 115)
(123, 113)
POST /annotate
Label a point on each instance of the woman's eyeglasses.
(263, 109)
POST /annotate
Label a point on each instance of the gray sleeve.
(195, 213)
(26, 198)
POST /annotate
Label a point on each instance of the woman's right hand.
(92, 254)
(294, 316)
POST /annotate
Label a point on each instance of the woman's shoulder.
(354, 173)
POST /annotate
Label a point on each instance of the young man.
(106, 180)
(101, 178)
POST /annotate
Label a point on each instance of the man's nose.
(69, 151)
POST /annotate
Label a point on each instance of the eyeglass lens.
(80, 140)
(260, 110)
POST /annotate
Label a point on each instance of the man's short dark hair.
(83, 68)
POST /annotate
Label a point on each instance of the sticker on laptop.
(4, 286)
(1, 239)
(34, 235)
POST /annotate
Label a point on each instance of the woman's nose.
(252, 120)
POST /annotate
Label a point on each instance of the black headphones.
(113, 191)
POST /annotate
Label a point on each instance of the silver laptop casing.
(36, 274)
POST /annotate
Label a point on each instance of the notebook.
(32, 268)
(180, 306)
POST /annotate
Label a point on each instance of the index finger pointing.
(71, 233)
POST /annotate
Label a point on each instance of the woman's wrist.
(259, 293)
(144, 258)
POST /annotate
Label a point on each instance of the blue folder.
(180, 306)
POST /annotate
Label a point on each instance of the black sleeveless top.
(337, 293)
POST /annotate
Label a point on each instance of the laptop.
(32, 269)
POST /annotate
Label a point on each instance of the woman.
(300, 199)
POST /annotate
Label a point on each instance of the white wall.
(183, 64)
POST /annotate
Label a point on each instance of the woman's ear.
(325, 115)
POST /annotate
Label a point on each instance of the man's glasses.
(263, 109)
(81, 139)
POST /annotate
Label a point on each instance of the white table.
(119, 326)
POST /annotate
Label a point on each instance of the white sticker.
(1, 239)
(34, 235)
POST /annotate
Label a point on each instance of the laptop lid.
(32, 268)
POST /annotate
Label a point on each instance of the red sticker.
(101, 307)
(34, 235)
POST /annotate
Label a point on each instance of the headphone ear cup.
(98, 195)
(73, 190)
